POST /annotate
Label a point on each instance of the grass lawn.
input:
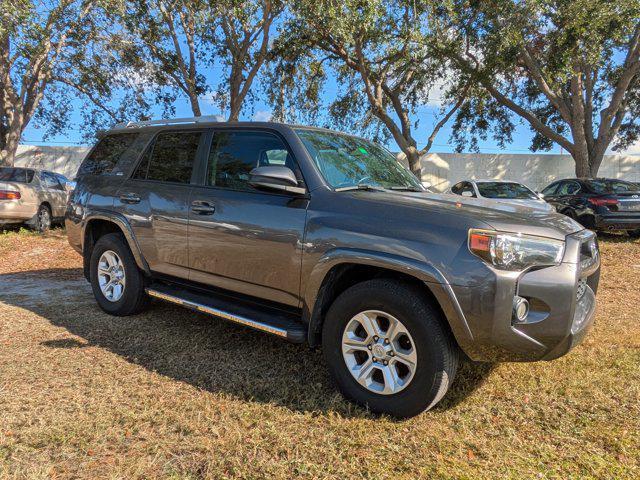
(175, 394)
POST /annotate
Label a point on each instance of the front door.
(155, 200)
(241, 238)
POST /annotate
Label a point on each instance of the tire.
(42, 221)
(132, 298)
(435, 350)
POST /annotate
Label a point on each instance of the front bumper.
(562, 307)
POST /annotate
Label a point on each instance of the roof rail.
(171, 121)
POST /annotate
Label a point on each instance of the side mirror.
(275, 177)
(540, 195)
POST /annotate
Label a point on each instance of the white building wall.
(441, 169)
(537, 171)
(64, 160)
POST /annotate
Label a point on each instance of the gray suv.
(324, 238)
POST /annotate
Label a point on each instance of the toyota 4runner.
(324, 238)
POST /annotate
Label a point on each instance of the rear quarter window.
(114, 154)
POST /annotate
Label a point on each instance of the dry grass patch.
(174, 394)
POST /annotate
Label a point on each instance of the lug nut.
(376, 338)
(374, 359)
(385, 362)
(391, 354)
(369, 346)
(386, 341)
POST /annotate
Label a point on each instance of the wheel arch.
(99, 224)
(343, 268)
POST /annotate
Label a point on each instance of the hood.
(502, 216)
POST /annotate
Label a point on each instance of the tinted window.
(551, 189)
(50, 181)
(105, 156)
(463, 188)
(457, 188)
(505, 190)
(612, 186)
(568, 188)
(170, 158)
(18, 175)
(234, 154)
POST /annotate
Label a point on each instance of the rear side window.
(234, 154)
(18, 175)
(105, 156)
(569, 188)
(170, 158)
(551, 189)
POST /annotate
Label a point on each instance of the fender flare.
(433, 279)
(127, 231)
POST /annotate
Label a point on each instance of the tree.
(244, 36)
(569, 68)
(384, 63)
(53, 55)
(33, 43)
(165, 41)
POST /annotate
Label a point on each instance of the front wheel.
(387, 348)
(117, 282)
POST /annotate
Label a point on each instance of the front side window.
(551, 189)
(505, 190)
(170, 158)
(346, 161)
(17, 175)
(569, 188)
(234, 154)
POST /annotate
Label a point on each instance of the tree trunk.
(587, 164)
(195, 105)
(9, 149)
(413, 157)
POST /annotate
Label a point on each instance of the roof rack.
(171, 121)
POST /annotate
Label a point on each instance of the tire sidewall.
(39, 226)
(422, 324)
(115, 243)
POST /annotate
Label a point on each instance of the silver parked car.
(37, 198)
(507, 192)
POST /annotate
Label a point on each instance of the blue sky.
(261, 111)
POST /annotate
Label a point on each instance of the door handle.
(129, 198)
(202, 208)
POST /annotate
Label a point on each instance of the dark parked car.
(324, 238)
(599, 203)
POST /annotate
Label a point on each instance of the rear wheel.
(117, 282)
(43, 219)
(387, 349)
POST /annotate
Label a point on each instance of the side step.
(270, 320)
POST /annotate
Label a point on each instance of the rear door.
(54, 193)
(240, 238)
(155, 199)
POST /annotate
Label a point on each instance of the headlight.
(514, 251)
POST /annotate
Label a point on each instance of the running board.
(276, 323)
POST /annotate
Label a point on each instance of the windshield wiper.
(406, 189)
(360, 186)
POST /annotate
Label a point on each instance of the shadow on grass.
(210, 354)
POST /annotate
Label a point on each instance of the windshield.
(505, 190)
(19, 175)
(346, 161)
(612, 186)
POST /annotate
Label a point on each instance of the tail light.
(603, 202)
(9, 195)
